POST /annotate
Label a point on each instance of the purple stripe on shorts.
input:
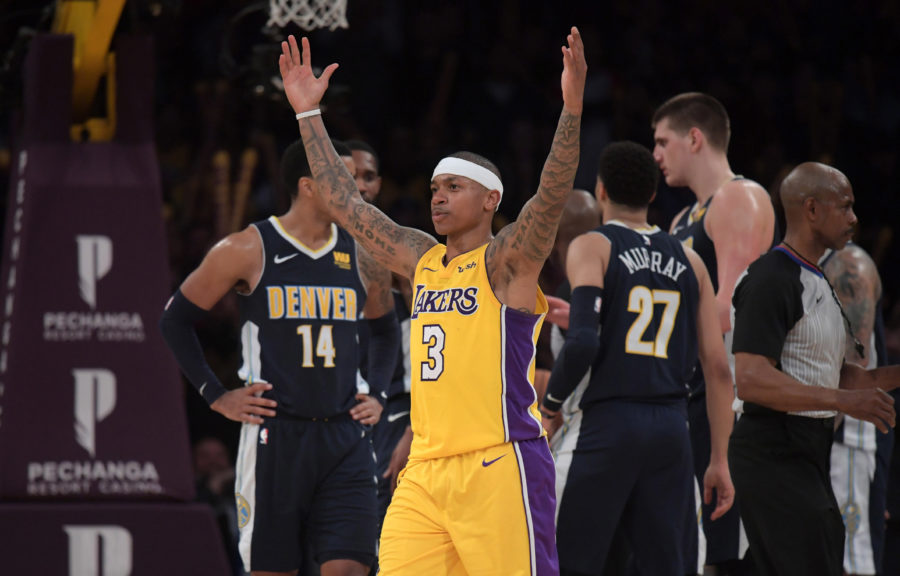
(518, 353)
(539, 498)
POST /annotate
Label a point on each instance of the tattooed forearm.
(334, 181)
(395, 247)
(377, 279)
(539, 219)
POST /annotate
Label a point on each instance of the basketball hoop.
(308, 14)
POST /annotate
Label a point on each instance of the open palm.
(303, 89)
(574, 71)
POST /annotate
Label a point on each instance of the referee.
(789, 343)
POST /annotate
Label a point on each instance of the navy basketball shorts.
(305, 485)
(631, 469)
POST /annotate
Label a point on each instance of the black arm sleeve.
(177, 326)
(581, 346)
(384, 348)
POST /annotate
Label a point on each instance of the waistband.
(340, 417)
(755, 410)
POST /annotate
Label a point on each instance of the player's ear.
(695, 138)
(600, 191)
(492, 202)
(306, 186)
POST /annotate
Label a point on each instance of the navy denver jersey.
(690, 230)
(648, 332)
(299, 325)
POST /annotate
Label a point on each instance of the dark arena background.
(119, 172)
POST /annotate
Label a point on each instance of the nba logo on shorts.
(94, 261)
(264, 436)
(88, 558)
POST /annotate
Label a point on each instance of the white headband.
(460, 167)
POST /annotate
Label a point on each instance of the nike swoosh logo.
(397, 416)
(487, 463)
(280, 259)
(429, 269)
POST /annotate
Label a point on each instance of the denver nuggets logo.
(243, 510)
(696, 215)
(850, 514)
(341, 260)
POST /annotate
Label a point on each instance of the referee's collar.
(803, 262)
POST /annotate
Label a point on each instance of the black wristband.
(551, 404)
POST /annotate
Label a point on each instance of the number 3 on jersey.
(642, 300)
(433, 337)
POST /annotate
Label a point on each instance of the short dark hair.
(365, 147)
(341, 147)
(628, 173)
(295, 164)
(477, 159)
(696, 109)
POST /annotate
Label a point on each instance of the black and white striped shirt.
(784, 309)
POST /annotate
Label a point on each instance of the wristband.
(308, 113)
(551, 404)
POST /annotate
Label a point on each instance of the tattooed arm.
(377, 280)
(855, 279)
(396, 247)
(384, 338)
(516, 255)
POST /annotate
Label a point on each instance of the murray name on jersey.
(463, 300)
(640, 258)
(312, 303)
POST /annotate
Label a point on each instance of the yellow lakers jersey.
(471, 358)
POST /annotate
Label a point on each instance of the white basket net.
(308, 14)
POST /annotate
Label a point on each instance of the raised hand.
(574, 72)
(246, 404)
(303, 89)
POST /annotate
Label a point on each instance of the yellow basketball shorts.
(486, 512)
